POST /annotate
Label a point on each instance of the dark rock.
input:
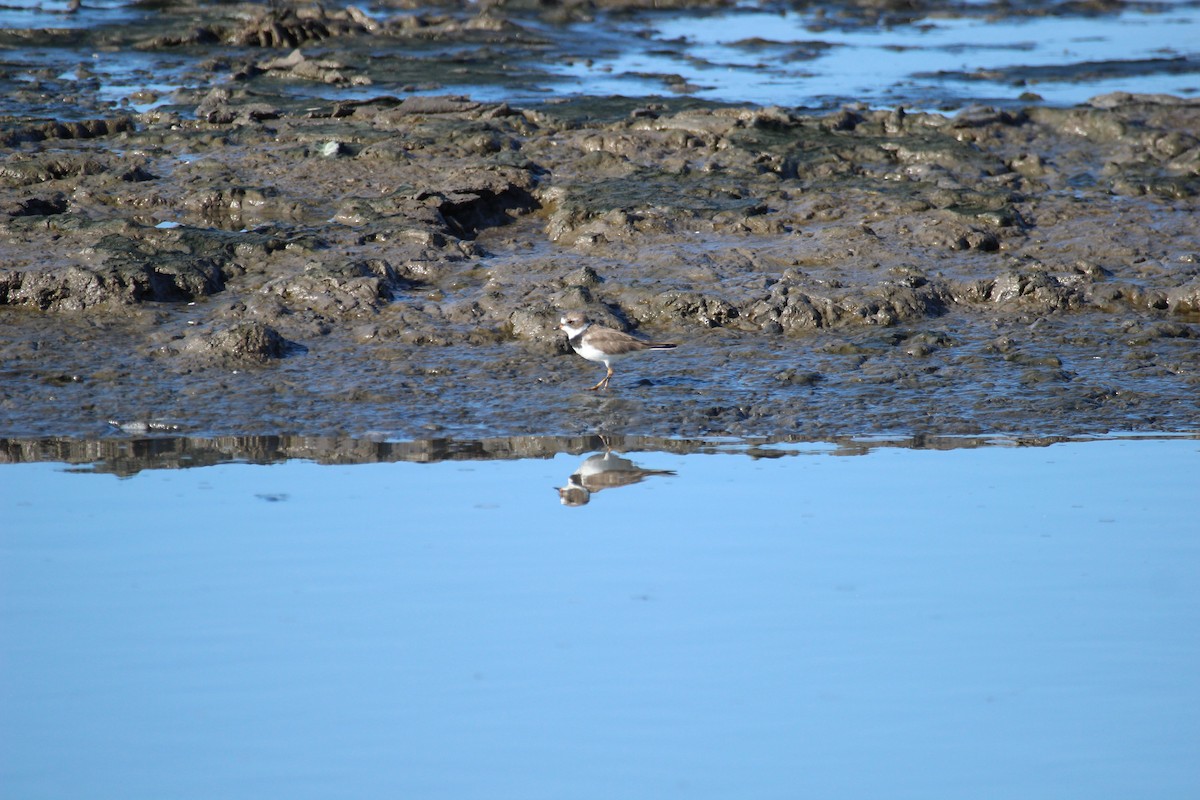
(241, 343)
(35, 206)
(794, 377)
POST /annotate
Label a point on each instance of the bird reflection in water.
(605, 470)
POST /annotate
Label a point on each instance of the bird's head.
(573, 322)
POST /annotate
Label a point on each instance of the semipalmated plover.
(603, 345)
(603, 471)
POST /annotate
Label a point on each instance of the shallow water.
(930, 62)
(28, 14)
(854, 621)
(942, 58)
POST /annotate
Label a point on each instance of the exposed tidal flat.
(305, 495)
(310, 231)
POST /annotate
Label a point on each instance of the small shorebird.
(603, 345)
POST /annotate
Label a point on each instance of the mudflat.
(247, 260)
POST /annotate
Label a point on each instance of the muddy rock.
(323, 70)
(1185, 300)
(75, 288)
(82, 129)
(244, 344)
(320, 292)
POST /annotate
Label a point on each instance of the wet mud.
(246, 259)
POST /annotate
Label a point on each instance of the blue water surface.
(992, 622)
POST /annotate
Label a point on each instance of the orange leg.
(603, 384)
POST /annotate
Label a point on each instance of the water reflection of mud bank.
(128, 456)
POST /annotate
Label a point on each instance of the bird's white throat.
(574, 330)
